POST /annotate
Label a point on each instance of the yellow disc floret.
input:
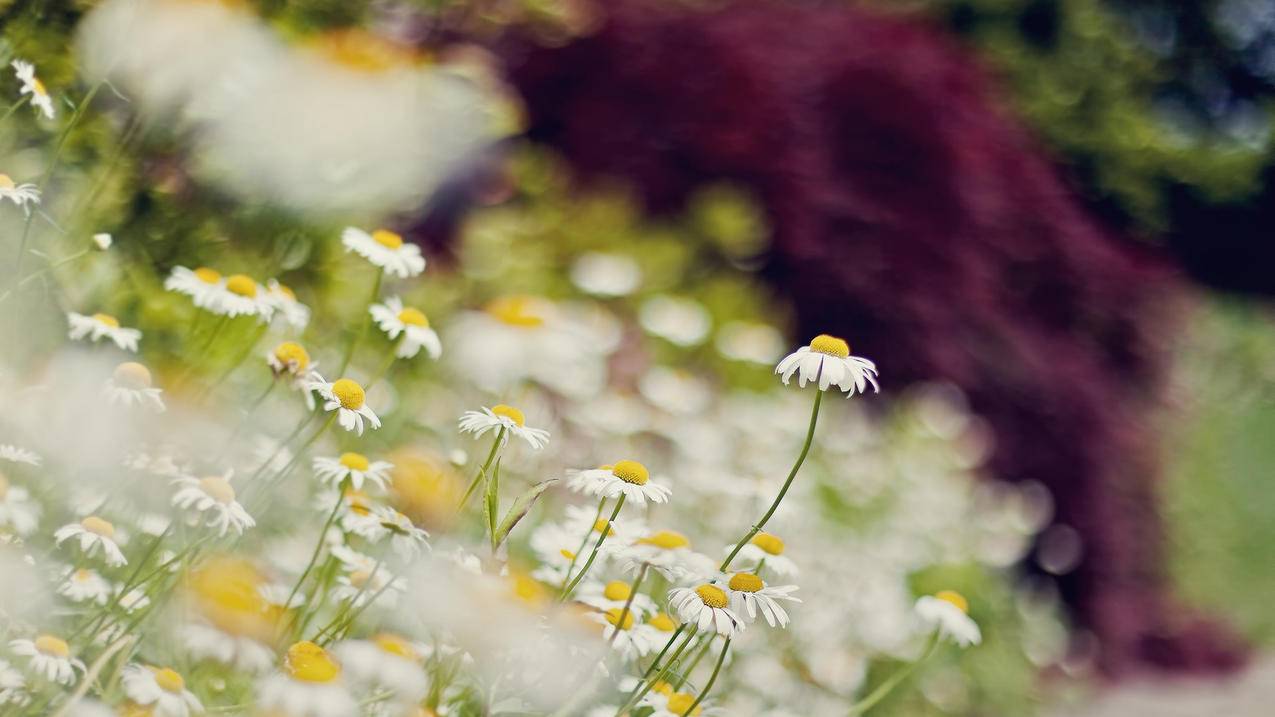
(207, 275)
(107, 320)
(679, 702)
(564, 552)
(131, 374)
(616, 590)
(517, 311)
(663, 623)
(387, 238)
(830, 345)
(52, 646)
(768, 542)
(349, 393)
(308, 662)
(396, 645)
(511, 413)
(613, 617)
(293, 355)
(666, 539)
(631, 472)
(662, 688)
(97, 526)
(602, 525)
(955, 598)
(218, 488)
(413, 317)
(354, 461)
(169, 680)
(746, 583)
(241, 285)
(6, 182)
(712, 596)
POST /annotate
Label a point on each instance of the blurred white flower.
(387, 661)
(606, 274)
(161, 690)
(85, 585)
(130, 385)
(214, 498)
(395, 319)
(17, 454)
(92, 533)
(49, 657)
(767, 549)
(23, 195)
(31, 85)
(310, 685)
(755, 343)
(614, 594)
(385, 249)
(947, 612)
(284, 300)
(98, 326)
(681, 321)
(17, 511)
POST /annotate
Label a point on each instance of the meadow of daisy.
(274, 458)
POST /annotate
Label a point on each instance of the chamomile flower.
(15, 454)
(284, 300)
(290, 359)
(131, 385)
(947, 612)
(667, 703)
(31, 85)
(628, 636)
(405, 538)
(766, 549)
(364, 579)
(396, 320)
(386, 661)
(12, 685)
(23, 195)
(133, 600)
(614, 594)
(240, 295)
(501, 416)
(706, 606)
(161, 690)
(201, 284)
(49, 657)
(212, 498)
(97, 326)
(347, 398)
(749, 594)
(93, 533)
(309, 685)
(827, 360)
(627, 478)
(354, 467)
(203, 641)
(18, 512)
(665, 551)
(85, 585)
(385, 249)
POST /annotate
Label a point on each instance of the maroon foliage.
(914, 216)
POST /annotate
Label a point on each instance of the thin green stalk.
(367, 319)
(296, 457)
(711, 680)
(247, 351)
(801, 458)
(318, 545)
(594, 553)
(684, 675)
(633, 590)
(482, 472)
(583, 542)
(37, 274)
(14, 107)
(385, 367)
(344, 628)
(649, 682)
(893, 681)
(491, 504)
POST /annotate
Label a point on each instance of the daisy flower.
(354, 467)
(666, 551)
(17, 511)
(627, 478)
(827, 360)
(767, 549)
(134, 600)
(405, 538)
(347, 398)
(200, 284)
(240, 295)
(19, 455)
(706, 606)
(630, 638)
(385, 249)
(240, 652)
(362, 585)
(386, 661)
(947, 611)
(667, 703)
(23, 195)
(310, 685)
(614, 594)
(284, 300)
(161, 690)
(12, 685)
(131, 385)
(49, 657)
(410, 322)
(214, 498)
(506, 417)
(31, 85)
(93, 532)
(85, 585)
(749, 593)
(291, 359)
(102, 325)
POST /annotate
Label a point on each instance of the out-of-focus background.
(1058, 216)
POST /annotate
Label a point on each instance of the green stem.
(482, 472)
(685, 674)
(583, 542)
(644, 687)
(713, 679)
(37, 274)
(633, 590)
(14, 107)
(893, 681)
(801, 458)
(318, 545)
(385, 367)
(593, 553)
(249, 345)
(367, 319)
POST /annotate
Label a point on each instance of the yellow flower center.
(616, 590)
(679, 702)
(97, 526)
(169, 680)
(38, 86)
(218, 488)
(395, 645)
(667, 539)
(308, 662)
(293, 354)
(107, 319)
(349, 393)
(387, 238)
(131, 374)
(746, 583)
(82, 575)
(955, 598)
(363, 51)
(227, 592)
(359, 578)
(207, 275)
(241, 285)
(830, 345)
(526, 589)
(413, 317)
(631, 472)
(511, 413)
(354, 461)
(52, 646)
(6, 182)
(663, 623)
(516, 311)
(663, 688)
(769, 542)
(602, 525)
(712, 596)
(564, 552)
(613, 617)
(287, 291)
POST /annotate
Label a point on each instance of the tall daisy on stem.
(624, 480)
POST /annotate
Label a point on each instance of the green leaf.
(491, 507)
(520, 508)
